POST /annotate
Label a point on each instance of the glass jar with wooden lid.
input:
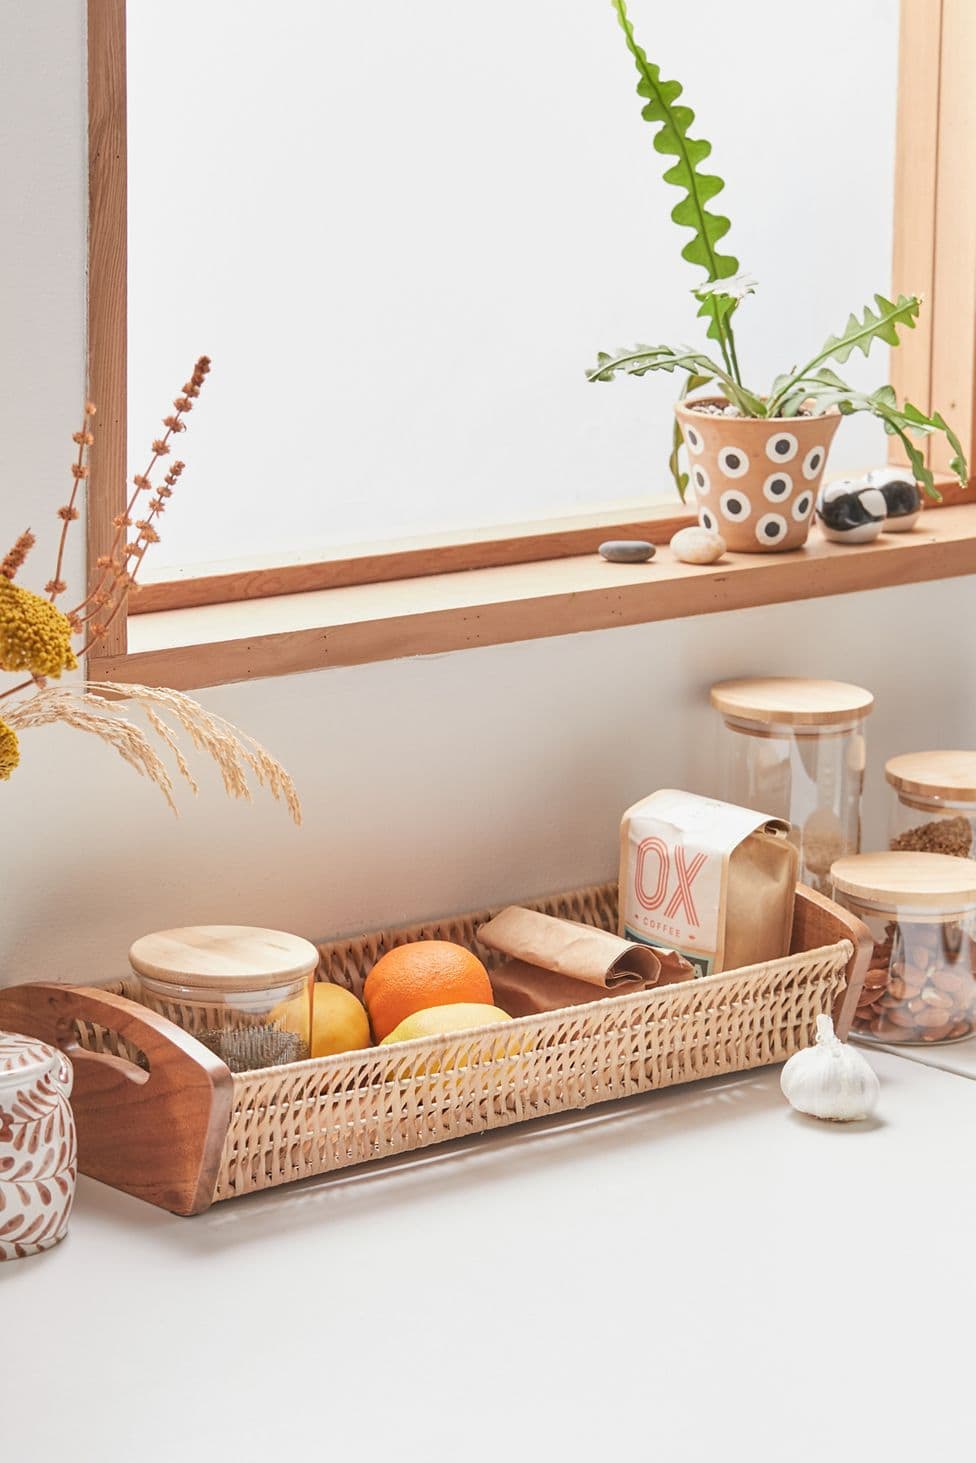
(921, 911)
(245, 993)
(794, 748)
(933, 805)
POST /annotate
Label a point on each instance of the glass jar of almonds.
(921, 911)
(933, 803)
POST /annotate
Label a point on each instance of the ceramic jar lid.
(949, 775)
(791, 700)
(934, 881)
(223, 957)
(23, 1059)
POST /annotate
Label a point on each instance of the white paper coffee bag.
(713, 881)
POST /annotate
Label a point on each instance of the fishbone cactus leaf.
(671, 138)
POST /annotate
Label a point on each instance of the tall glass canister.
(795, 749)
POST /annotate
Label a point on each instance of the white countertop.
(688, 1275)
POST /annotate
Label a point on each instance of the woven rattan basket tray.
(161, 1117)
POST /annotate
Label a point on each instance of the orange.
(420, 975)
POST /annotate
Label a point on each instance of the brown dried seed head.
(68, 513)
(122, 520)
(78, 470)
(182, 403)
(90, 408)
(160, 448)
(55, 586)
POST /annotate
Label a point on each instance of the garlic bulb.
(830, 1079)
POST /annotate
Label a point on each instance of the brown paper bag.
(713, 881)
(556, 963)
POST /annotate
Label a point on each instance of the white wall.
(430, 785)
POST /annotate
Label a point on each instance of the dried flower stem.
(94, 709)
(68, 514)
(22, 686)
(117, 581)
(17, 555)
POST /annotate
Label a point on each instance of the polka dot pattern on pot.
(813, 462)
(771, 528)
(733, 462)
(803, 506)
(735, 506)
(782, 447)
(778, 487)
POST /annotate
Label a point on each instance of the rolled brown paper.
(579, 952)
(522, 989)
(566, 948)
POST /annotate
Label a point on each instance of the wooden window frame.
(934, 254)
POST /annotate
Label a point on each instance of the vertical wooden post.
(107, 323)
(916, 166)
(954, 302)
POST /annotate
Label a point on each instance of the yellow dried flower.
(34, 636)
(9, 750)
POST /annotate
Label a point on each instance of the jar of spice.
(933, 808)
(921, 911)
(245, 993)
(795, 749)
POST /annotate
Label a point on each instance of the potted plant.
(755, 459)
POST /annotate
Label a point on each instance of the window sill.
(216, 644)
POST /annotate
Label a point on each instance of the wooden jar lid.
(949, 775)
(907, 880)
(793, 700)
(223, 957)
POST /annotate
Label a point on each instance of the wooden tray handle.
(817, 921)
(157, 1134)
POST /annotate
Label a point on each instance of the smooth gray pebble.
(627, 551)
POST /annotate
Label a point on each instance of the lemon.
(339, 1021)
(441, 1020)
(438, 1019)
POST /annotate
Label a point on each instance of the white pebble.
(696, 545)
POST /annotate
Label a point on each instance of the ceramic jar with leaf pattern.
(754, 480)
(38, 1151)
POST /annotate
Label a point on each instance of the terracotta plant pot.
(753, 479)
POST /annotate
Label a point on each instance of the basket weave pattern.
(328, 1113)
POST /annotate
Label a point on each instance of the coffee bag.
(708, 879)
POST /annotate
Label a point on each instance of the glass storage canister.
(245, 993)
(795, 750)
(933, 809)
(921, 911)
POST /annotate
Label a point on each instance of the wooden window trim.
(934, 252)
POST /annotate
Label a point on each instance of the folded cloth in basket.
(556, 962)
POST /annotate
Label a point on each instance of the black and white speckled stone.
(627, 551)
(901, 494)
(849, 512)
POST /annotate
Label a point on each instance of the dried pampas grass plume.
(96, 709)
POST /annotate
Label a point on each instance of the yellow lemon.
(339, 1021)
(438, 1020)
